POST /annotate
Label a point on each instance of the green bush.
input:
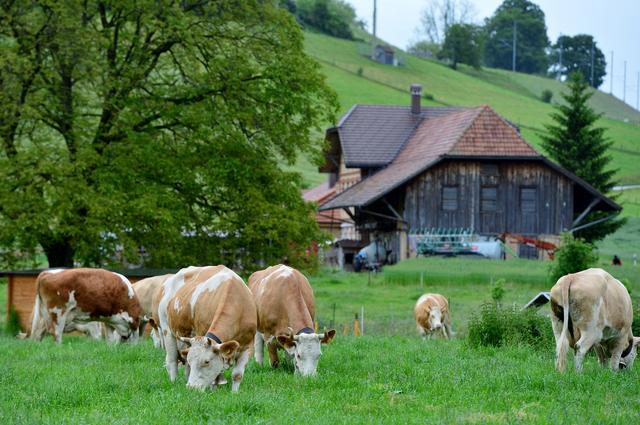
(573, 256)
(546, 96)
(332, 17)
(497, 291)
(495, 326)
(12, 327)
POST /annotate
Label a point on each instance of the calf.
(148, 290)
(432, 314)
(210, 310)
(286, 310)
(68, 300)
(593, 309)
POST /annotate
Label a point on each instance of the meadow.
(389, 375)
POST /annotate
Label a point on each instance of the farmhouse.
(401, 171)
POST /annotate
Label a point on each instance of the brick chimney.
(416, 94)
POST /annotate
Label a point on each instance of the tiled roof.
(477, 132)
(372, 135)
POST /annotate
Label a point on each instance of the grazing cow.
(593, 309)
(432, 314)
(210, 310)
(286, 311)
(70, 299)
(147, 290)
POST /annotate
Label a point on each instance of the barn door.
(529, 209)
(489, 209)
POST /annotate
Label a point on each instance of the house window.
(488, 169)
(450, 198)
(528, 200)
(489, 199)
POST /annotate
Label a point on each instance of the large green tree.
(528, 22)
(462, 44)
(156, 124)
(577, 54)
(579, 145)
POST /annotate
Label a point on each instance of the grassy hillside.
(516, 96)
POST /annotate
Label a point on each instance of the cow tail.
(562, 345)
(36, 316)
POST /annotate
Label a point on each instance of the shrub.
(546, 96)
(573, 256)
(12, 327)
(497, 291)
(495, 326)
(429, 96)
(360, 72)
(332, 17)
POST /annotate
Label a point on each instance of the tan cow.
(210, 310)
(148, 290)
(593, 309)
(70, 299)
(286, 311)
(432, 314)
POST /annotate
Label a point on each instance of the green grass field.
(389, 375)
(357, 79)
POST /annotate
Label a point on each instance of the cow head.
(206, 360)
(627, 361)
(434, 318)
(305, 349)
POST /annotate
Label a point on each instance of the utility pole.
(611, 76)
(638, 93)
(513, 57)
(560, 70)
(624, 83)
(592, 49)
(373, 41)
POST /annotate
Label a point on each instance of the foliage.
(495, 326)
(574, 255)
(462, 44)
(531, 37)
(439, 15)
(575, 53)
(332, 17)
(546, 96)
(12, 327)
(497, 291)
(576, 143)
(155, 124)
(424, 49)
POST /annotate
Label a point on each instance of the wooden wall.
(22, 295)
(516, 196)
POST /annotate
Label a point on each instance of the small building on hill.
(385, 55)
(421, 169)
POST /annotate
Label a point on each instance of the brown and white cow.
(70, 299)
(593, 309)
(286, 311)
(432, 314)
(210, 310)
(148, 290)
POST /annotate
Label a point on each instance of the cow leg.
(272, 347)
(171, 357)
(445, 334)
(155, 337)
(58, 324)
(258, 345)
(616, 355)
(238, 370)
(421, 331)
(39, 320)
(584, 344)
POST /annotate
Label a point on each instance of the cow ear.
(187, 341)
(328, 336)
(227, 349)
(184, 353)
(286, 341)
(636, 340)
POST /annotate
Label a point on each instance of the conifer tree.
(575, 142)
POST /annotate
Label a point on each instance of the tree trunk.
(59, 252)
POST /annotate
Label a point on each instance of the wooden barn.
(450, 168)
(22, 289)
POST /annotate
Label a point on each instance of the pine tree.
(577, 144)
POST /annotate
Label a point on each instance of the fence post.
(356, 326)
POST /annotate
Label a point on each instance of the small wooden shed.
(22, 289)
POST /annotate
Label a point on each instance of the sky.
(615, 25)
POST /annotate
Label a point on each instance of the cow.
(148, 290)
(210, 311)
(432, 314)
(70, 299)
(286, 310)
(593, 309)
